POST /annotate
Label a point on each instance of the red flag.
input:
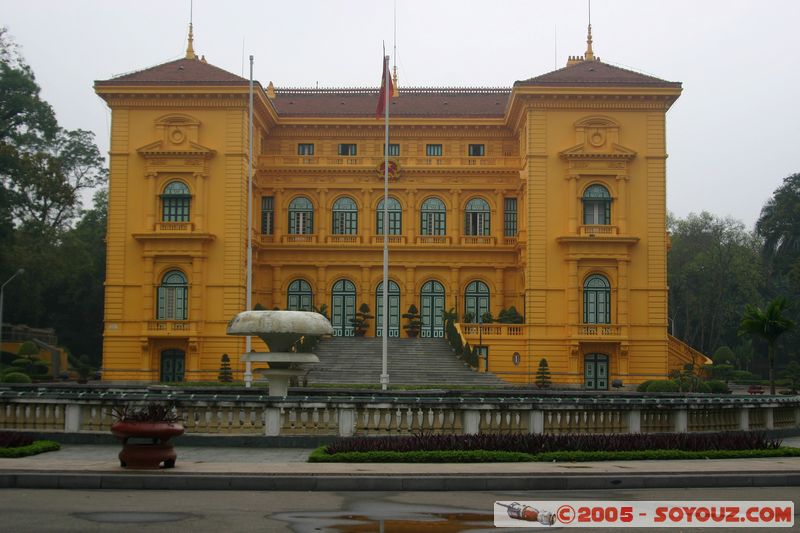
(386, 89)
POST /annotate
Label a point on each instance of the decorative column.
(411, 296)
(321, 291)
(197, 290)
(456, 220)
(573, 293)
(280, 215)
(497, 220)
(148, 288)
(455, 286)
(366, 216)
(622, 293)
(499, 276)
(364, 289)
(322, 219)
(411, 216)
(622, 201)
(200, 204)
(150, 202)
(573, 203)
(276, 287)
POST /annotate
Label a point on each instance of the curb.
(162, 480)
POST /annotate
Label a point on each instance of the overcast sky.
(730, 135)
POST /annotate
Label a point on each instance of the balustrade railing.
(230, 414)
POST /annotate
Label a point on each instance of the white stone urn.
(280, 330)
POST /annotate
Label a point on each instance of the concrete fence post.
(635, 421)
(769, 418)
(681, 421)
(272, 421)
(72, 418)
(471, 422)
(536, 422)
(347, 422)
(744, 419)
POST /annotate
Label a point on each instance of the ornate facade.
(549, 196)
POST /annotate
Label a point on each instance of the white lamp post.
(2, 288)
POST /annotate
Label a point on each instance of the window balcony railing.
(308, 238)
(393, 239)
(597, 330)
(170, 327)
(477, 240)
(343, 239)
(374, 162)
(510, 241)
(183, 227)
(493, 330)
(432, 239)
(601, 230)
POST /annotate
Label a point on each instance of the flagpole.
(248, 370)
(385, 344)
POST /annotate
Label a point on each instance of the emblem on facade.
(394, 169)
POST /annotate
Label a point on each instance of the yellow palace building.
(548, 196)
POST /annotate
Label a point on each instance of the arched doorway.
(300, 296)
(476, 301)
(394, 310)
(173, 365)
(595, 371)
(432, 299)
(343, 308)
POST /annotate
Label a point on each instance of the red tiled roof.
(487, 103)
(179, 72)
(595, 74)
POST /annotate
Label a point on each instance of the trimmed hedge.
(664, 385)
(320, 455)
(39, 446)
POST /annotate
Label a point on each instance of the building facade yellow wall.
(545, 142)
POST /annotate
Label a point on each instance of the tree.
(714, 270)
(225, 372)
(768, 324)
(543, 374)
(779, 225)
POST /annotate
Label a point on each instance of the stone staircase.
(357, 360)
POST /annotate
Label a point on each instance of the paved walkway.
(96, 466)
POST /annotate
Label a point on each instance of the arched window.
(477, 218)
(343, 308)
(301, 216)
(394, 309)
(596, 300)
(175, 202)
(432, 299)
(345, 217)
(395, 217)
(433, 217)
(476, 301)
(300, 297)
(596, 206)
(173, 296)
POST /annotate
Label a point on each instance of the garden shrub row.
(321, 455)
(37, 447)
(536, 444)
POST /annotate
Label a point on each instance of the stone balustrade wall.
(232, 414)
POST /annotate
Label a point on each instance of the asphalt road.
(304, 512)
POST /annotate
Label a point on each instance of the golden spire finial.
(589, 55)
(395, 90)
(190, 46)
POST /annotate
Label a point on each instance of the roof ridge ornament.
(190, 45)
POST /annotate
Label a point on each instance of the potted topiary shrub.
(151, 426)
(413, 326)
(361, 321)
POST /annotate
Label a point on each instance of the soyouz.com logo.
(618, 514)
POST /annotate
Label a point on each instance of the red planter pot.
(154, 451)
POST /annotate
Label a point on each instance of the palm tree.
(768, 324)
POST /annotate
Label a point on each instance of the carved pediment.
(597, 137)
(178, 135)
(613, 151)
(165, 149)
